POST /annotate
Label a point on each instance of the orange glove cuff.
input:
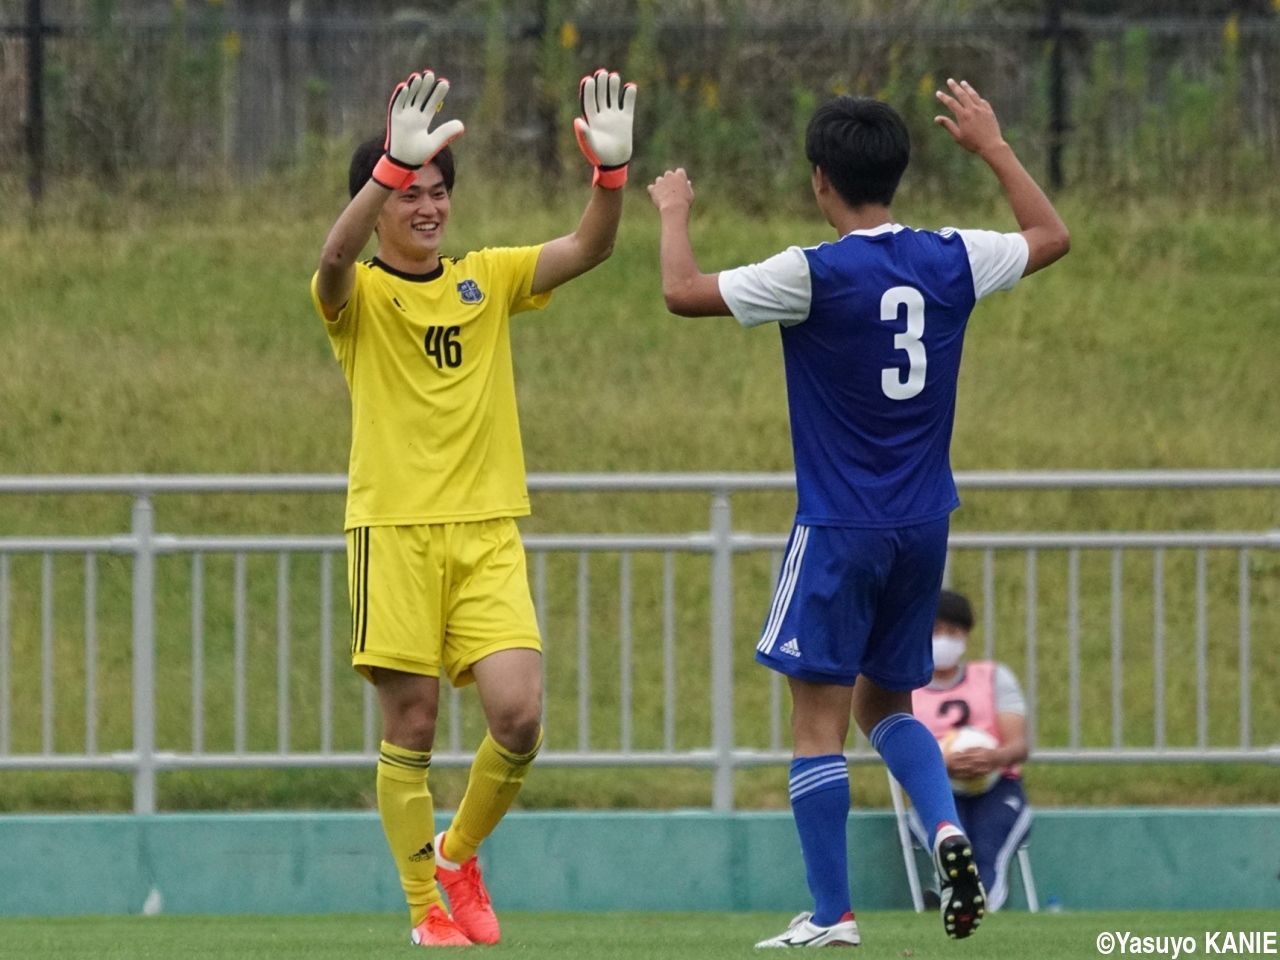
(610, 178)
(393, 174)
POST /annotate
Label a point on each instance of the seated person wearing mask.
(983, 695)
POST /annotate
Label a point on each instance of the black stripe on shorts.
(364, 591)
(359, 588)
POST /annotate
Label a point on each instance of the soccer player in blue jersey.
(872, 325)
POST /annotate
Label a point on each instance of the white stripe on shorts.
(786, 587)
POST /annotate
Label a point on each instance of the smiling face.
(412, 223)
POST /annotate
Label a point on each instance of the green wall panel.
(326, 862)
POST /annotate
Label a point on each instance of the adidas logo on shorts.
(791, 648)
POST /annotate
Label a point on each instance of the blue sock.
(820, 802)
(913, 757)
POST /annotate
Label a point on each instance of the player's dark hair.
(862, 146)
(368, 154)
(953, 608)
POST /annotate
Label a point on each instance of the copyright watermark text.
(1239, 943)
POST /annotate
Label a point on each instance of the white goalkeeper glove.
(604, 129)
(410, 142)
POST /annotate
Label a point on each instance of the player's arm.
(1013, 738)
(977, 761)
(410, 143)
(336, 275)
(976, 128)
(604, 136)
(688, 291)
(572, 255)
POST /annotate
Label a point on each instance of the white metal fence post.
(144, 713)
(722, 738)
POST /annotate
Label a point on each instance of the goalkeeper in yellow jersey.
(435, 564)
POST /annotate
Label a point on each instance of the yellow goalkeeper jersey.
(434, 433)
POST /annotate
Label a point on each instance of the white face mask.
(947, 651)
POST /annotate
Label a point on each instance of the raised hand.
(975, 126)
(604, 129)
(410, 141)
(672, 191)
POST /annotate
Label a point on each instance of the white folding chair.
(907, 841)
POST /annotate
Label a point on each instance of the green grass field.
(177, 336)
(697, 936)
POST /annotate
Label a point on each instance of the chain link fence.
(229, 89)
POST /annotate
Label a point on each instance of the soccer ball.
(966, 738)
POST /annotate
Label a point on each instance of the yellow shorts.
(437, 596)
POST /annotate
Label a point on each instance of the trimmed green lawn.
(697, 936)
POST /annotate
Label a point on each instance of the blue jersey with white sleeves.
(872, 331)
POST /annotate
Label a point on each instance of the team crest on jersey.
(469, 291)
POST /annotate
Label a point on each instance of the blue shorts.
(853, 601)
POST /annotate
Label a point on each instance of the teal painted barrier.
(328, 862)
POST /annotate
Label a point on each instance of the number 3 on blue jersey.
(891, 377)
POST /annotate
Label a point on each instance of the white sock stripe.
(877, 732)
(816, 771)
(818, 775)
(885, 726)
(786, 587)
(819, 785)
(999, 891)
(800, 780)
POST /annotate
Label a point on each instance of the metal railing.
(620, 689)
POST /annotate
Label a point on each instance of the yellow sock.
(496, 777)
(408, 819)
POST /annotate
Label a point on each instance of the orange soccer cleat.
(468, 898)
(438, 929)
